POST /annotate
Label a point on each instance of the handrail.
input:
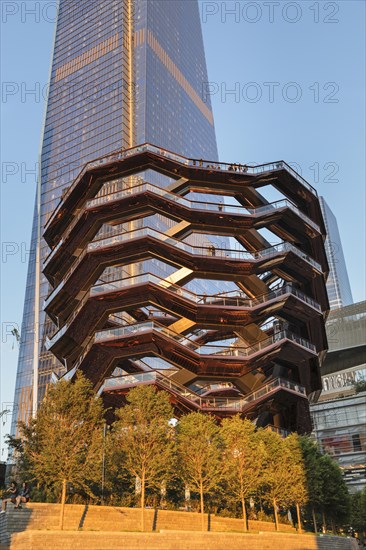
(196, 163)
(225, 299)
(199, 205)
(232, 403)
(112, 334)
(195, 250)
(228, 351)
(202, 250)
(234, 298)
(235, 351)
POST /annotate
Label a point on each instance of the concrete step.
(172, 540)
(35, 516)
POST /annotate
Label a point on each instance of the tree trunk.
(333, 526)
(142, 503)
(324, 522)
(275, 513)
(63, 500)
(299, 528)
(202, 509)
(244, 514)
(314, 519)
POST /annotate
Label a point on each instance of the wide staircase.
(108, 528)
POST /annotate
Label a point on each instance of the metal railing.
(208, 251)
(199, 205)
(233, 351)
(234, 298)
(203, 250)
(196, 163)
(215, 403)
(228, 299)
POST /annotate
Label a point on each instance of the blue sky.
(297, 73)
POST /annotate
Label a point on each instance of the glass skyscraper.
(124, 72)
(338, 286)
(149, 257)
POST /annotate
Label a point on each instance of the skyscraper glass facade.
(338, 286)
(123, 73)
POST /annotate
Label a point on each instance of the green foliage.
(297, 490)
(142, 436)
(67, 447)
(276, 479)
(200, 454)
(326, 487)
(144, 440)
(200, 451)
(244, 456)
(312, 456)
(63, 443)
(336, 500)
(358, 511)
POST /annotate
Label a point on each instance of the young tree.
(335, 496)
(144, 437)
(313, 475)
(276, 476)
(358, 511)
(200, 454)
(298, 493)
(244, 455)
(60, 445)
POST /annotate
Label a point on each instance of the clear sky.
(296, 71)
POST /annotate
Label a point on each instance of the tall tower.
(152, 264)
(123, 72)
(338, 286)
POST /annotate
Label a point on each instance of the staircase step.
(173, 540)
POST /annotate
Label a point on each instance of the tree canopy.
(144, 438)
(144, 454)
(62, 444)
(200, 454)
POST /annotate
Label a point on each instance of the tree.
(144, 437)
(358, 511)
(312, 455)
(335, 496)
(200, 454)
(62, 444)
(276, 476)
(244, 455)
(298, 493)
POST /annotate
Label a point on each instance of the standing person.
(13, 491)
(23, 495)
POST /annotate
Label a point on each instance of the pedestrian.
(13, 492)
(23, 496)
